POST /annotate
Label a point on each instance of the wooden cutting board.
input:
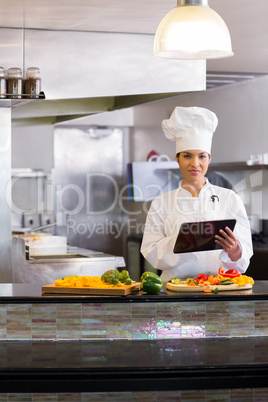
(120, 291)
(186, 288)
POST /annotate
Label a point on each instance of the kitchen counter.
(32, 293)
(26, 314)
(136, 346)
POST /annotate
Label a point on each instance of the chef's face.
(193, 164)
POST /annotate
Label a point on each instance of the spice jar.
(14, 83)
(32, 83)
(2, 83)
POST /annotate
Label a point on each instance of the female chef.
(195, 199)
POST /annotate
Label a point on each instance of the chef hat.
(191, 128)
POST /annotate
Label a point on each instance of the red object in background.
(152, 153)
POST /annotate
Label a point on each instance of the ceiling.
(246, 20)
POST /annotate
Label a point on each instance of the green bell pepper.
(151, 283)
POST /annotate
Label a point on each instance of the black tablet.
(199, 236)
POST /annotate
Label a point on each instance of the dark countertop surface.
(32, 293)
(127, 365)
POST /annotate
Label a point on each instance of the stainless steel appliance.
(36, 265)
(88, 175)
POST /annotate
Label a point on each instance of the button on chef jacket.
(166, 214)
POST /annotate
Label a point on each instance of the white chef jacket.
(166, 214)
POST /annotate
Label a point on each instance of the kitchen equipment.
(41, 227)
(44, 244)
(41, 260)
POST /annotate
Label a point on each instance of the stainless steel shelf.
(235, 166)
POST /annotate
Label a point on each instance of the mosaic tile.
(144, 309)
(95, 397)
(218, 319)
(214, 395)
(118, 321)
(19, 397)
(168, 320)
(94, 321)
(260, 394)
(119, 397)
(242, 319)
(217, 329)
(3, 321)
(193, 320)
(118, 331)
(166, 329)
(242, 394)
(261, 318)
(144, 320)
(217, 395)
(162, 320)
(69, 397)
(195, 395)
(3, 312)
(169, 396)
(19, 321)
(118, 309)
(44, 398)
(69, 324)
(44, 321)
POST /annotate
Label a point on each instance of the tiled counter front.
(175, 347)
(229, 395)
(148, 320)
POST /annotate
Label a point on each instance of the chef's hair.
(178, 154)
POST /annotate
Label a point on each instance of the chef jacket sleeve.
(156, 247)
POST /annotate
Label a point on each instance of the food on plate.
(213, 283)
(151, 283)
(177, 281)
(231, 273)
(109, 280)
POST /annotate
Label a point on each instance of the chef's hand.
(229, 243)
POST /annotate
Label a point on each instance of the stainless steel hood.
(57, 111)
(85, 73)
(60, 110)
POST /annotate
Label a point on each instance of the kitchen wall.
(242, 110)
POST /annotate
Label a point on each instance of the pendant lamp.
(192, 30)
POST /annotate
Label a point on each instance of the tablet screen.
(199, 236)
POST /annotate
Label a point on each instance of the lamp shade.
(192, 32)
